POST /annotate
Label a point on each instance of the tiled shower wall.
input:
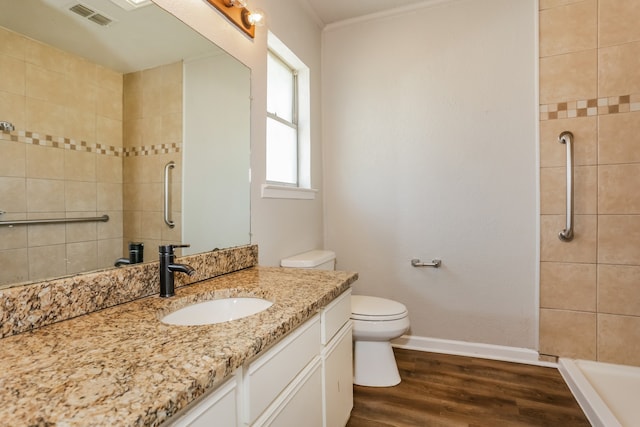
(88, 141)
(590, 85)
(152, 138)
(62, 160)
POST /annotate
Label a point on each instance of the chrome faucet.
(168, 267)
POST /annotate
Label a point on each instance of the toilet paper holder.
(435, 263)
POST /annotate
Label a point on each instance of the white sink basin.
(216, 311)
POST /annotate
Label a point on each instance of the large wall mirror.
(122, 111)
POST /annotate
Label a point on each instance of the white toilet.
(376, 321)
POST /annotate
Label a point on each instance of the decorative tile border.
(33, 138)
(590, 107)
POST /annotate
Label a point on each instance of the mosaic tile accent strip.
(30, 306)
(590, 107)
(33, 138)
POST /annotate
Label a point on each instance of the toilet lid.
(373, 308)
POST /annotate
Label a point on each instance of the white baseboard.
(471, 349)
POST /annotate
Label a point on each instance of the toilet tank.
(316, 259)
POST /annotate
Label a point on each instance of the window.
(282, 122)
(288, 145)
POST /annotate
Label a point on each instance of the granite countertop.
(122, 366)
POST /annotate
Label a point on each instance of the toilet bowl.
(376, 321)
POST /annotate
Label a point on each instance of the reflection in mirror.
(95, 98)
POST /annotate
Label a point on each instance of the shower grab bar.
(566, 138)
(435, 263)
(103, 218)
(167, 220)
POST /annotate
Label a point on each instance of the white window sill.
(270, 191)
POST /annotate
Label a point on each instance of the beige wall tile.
(585, 132)
(172, 89)
(81, 94)
(618, 189)
(45, 195)
(80, 166)
(152, 130)
(46, 234)
(568, 28)
(109, 250)
(44, 162)
(132, 172)
(568, 333)
(152, 88)
(108, 168)
(619, 138)
(569, 77)
(81, 231)
(13, 75)
(618, 290)
(618, 69)
(132, 197)
(47, 261)
(109, 131)
(45, 56)
(13, 194)
(172, 128)
(111, 229)
(618, 21)
(44, 117)
(12, 237)
(618, 237)
(568, 286)
(46, 85)
(15, 267)
(80, 125)
(132, 95)
(80, 196)
(553, 190)
(13, 109)
(152, 197)
(131, 225)
(619, 339)
(82, 69)
(173, 235)
(546, 4)
(13, 155)
(109, 196)
(582, 249)
(12, 44)
(82, 256)
(132, 132)
(109, 102)
(151, 224)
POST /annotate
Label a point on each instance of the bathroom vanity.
(287, 365)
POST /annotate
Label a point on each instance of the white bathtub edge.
(593, 406)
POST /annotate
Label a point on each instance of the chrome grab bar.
(103, 218)
(167, 200)
(435, 263)
(566, 138)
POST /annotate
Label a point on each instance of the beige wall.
(590, 85)
(62, 160)
(152, 138)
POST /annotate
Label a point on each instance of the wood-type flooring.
(444, 391)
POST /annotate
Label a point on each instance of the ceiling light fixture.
(236, 11)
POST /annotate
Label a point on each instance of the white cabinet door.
(301, 402)
(338, 378)
(216, 409)
(270, 374)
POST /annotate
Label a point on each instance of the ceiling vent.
(90, 14)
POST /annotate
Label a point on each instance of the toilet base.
(374, 364)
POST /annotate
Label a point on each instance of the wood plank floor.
(444, 390)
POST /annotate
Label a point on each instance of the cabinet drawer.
(335, 315)
(269, 375)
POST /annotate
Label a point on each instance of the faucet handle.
(168, 249)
